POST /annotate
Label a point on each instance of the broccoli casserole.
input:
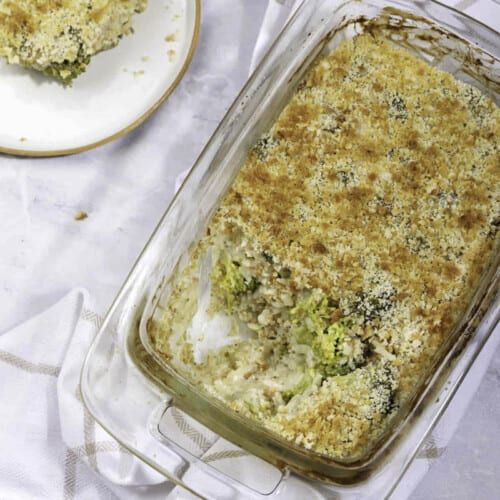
(344, 252)
(58, 37)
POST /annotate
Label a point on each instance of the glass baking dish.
(132, 392)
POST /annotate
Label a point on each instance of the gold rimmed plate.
(121, 88)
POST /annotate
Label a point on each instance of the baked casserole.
(59, 37)
(344, 252)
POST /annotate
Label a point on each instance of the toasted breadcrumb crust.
(58, 37)
(377, 188)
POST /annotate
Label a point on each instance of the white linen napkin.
(51, 447)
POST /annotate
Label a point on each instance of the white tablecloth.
(125, 187)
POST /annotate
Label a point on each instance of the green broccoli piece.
(251, 407)
(303, 384)
(378, 385)
(336, 350)
(329, 347)
(230, 284)
(373, 305)
(311, 316)
(383, 385)
(67, 71)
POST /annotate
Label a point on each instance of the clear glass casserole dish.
(131, 391)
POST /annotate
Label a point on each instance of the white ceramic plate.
(120, 89)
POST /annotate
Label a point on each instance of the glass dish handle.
(217, 468)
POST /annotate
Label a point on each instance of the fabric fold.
(55, 448)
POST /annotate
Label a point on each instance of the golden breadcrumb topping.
(348, 247)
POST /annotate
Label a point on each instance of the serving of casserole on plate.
(62, 91)
(59, 37)
(340, 265)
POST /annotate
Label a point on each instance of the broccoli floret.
(374, 304)
(252, 408)
(328, 344)
(383, 384)
(68, 71)
(230, 284)
(253, 284)
(304, 383)
(377, 387)
(337, 350)
(312, 314)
